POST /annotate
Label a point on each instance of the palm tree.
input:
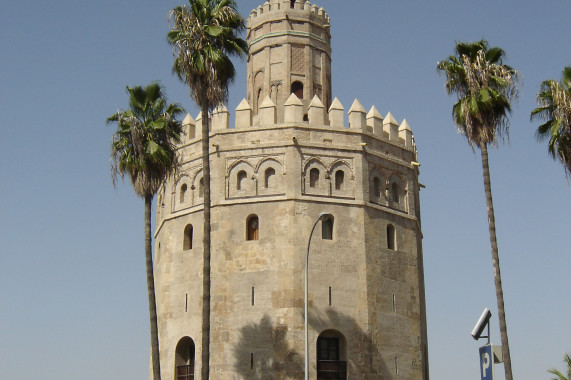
(560, 375)
(485, 86)
(142, 147)
(554, 100)
(203, 36)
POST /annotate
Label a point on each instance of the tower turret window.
(252, 227)
(269, 177)
(183, 189)
(377, 187)
(241, 180)
(391, 237)
(327, 228)
(339, 178)
(291, 3)
(314, 177)
(395, 192)
(187, 243)
(297, 89)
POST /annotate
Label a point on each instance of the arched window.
(241, 179)
(187, 243)
(252, 228)
(327, 228)
(184, 359)
(339, 178)
(331, 355)
(377, 187)
(297, 89)
(269, 177)
(314, 177)
(395, 192)
(391, 237)
(201, 188)
(183, 189)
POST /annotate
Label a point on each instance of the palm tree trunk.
(151, 291)
(205, 372)
(496, 263)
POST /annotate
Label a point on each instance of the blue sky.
(72, 280)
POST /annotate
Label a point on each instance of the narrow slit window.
(396, 365)
(395, 192)
(394, 303)
(187, 244)
(391, 237)
(314, 177)
(377, 187)
(241, 180)
(186, 303)
(252, 361)
(183, 189)
(327, 229)
(269, 178)
(253, 296)
(201, 188)
(330, 296)
(253, 227)
(339, 178)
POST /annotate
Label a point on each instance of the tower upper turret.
(290, 52)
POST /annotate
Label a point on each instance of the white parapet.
(375, 122)
(220, 118)
(405, 133)
(189, 127)
(267, 112)
(336, 114)
(357, 116)
(293, 109)
(391, 126)
(316, 112)
(243, 115)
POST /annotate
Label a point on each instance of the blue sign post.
(486, 362)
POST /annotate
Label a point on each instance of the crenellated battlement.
(372, 122)
(299, 7)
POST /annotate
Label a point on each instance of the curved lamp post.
(322, 216)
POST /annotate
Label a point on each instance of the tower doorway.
(331, 356)
(184, 359)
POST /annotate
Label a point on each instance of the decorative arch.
(270, 176)
(184, 359)
(342, 179)
(331, 355)
(316, 180)
(240, 183)
(198, 187)
(377, 187)
(396, 192)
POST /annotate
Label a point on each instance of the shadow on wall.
(264, 353)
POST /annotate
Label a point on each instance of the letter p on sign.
(486, 363)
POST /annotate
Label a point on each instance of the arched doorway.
(331, 355)
(184, 359)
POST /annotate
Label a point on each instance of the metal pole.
(322, 216)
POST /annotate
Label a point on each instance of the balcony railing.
(185, 372)
(331, 369)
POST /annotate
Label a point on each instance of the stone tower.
(289, 157)
(290, 51)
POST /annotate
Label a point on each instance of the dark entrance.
(329, 365)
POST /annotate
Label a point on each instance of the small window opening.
(377, 187)
(395, 193)
(297, 89)
(252, 296)
(330, 296)
(186, 303)
(305, 117)
(391, 238)
(252, 226)
(241, 179)
(339, 178)
(183, 189)
(396, 365)
(201, 188)
(269, 178)
(327, 229)
(187, 244)
(394, 303)
(291, 3)
(313, 177)
(252, 360)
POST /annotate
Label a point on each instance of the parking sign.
(486, 362)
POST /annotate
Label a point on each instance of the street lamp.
(321, 217)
